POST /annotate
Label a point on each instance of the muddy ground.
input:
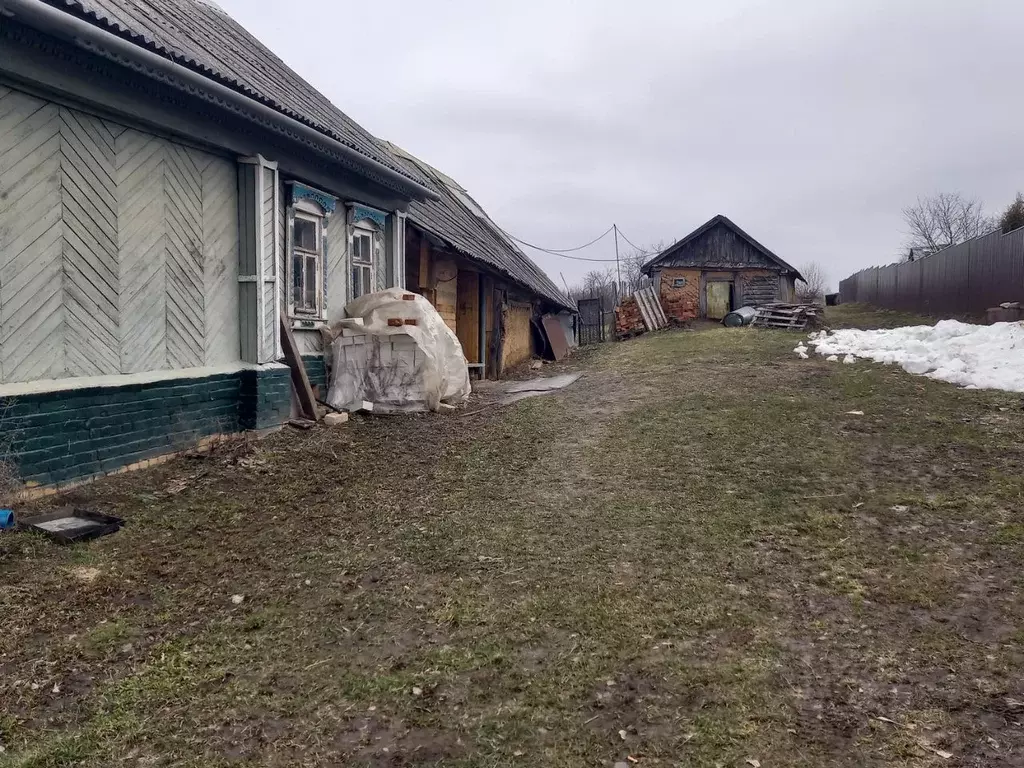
(693, 556)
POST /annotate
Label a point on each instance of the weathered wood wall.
(468, 314)
(118, 249)
(446, 289)
(719, 248)
(517, 346)
(757, 287)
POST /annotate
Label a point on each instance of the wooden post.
(300, 379)
(425, 281)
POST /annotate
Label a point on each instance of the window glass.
(305, 234)
(297, 294)
(310, 283)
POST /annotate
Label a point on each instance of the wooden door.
(719, 295)
(467, 315)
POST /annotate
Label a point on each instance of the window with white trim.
(363, 252)
(306, 262)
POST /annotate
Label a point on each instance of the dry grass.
(692, 557)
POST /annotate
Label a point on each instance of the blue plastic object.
(6, 519)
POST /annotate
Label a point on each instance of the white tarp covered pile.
(398, 366)
(972, 356)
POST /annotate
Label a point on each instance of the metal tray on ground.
(69, 525)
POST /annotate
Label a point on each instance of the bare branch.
(942, 220)
(813, 290)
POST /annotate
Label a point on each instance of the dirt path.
(693, 556)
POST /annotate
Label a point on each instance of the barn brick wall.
(680, 304)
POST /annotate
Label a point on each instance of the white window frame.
(358, 230)
(305, 210)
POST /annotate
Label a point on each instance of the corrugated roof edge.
(446, 184)
(147, 43)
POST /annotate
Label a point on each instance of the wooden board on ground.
(651, 310)
(555, 332)
(300, 379)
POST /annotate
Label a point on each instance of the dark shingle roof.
(459, 220)
(199, 35)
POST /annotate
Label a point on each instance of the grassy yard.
(695, 556)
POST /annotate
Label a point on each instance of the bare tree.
(942, 220)
(632, 264)
(815, 285)
(597, 283)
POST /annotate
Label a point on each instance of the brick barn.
(718, 268)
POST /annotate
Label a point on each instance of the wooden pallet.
(790, 317)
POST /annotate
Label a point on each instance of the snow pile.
(972, 356)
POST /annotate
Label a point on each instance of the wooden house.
(169, 189)
(718, 268)
(486, 289)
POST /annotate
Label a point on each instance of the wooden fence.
(965, 279)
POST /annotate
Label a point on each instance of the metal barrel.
(741, 316)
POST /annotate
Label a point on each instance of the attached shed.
(487, 290)
(718, 268)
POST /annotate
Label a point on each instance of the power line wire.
(564, 250)
(561, 254)
(635, 246)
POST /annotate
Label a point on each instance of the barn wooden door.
(719, 295)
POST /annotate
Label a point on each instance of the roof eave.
(94, 39)
(488, 266)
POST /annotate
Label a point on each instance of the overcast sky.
(810, 123)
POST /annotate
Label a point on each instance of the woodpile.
(793, 317)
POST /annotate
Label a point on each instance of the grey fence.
(965, 279)
(592, 326)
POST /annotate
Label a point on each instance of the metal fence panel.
(591, 321)
(964, 279)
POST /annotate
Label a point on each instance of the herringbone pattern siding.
(118, 249)
(183, 187)
(142, 248)
(31, 285)
(89, 202)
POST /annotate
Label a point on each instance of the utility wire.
(564, 250)
(561, 254)
(635, 246)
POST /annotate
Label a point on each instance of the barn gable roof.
(708, 226)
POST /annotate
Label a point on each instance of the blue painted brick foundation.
(316, 369)
(59, 436)
(265, 399)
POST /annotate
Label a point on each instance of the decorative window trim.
(363, 213)
(301, 192)
(308, 204)
(365, 221)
